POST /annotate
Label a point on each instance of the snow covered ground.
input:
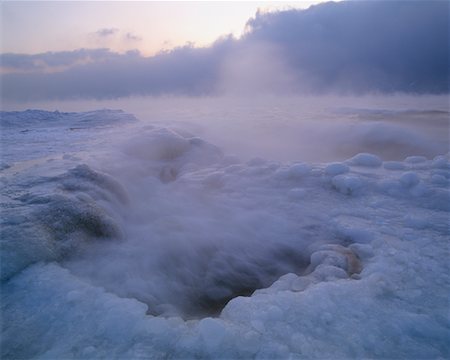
(124, 238)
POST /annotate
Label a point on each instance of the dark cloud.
(351, 47)
(51, 60)
(106, 32)
(185, 70)
(363, 46)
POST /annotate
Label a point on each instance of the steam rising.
(255, 70)
(192, 242)
(201, 227)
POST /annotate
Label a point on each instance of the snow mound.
(336, 169)
(415, 159)
(293, 172)
(54, 226)
(409, 179)
(348, 184)
(394, 165)
(365, 159)
(169, 153)
(441, 162)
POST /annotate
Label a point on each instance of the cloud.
(132, 37)
(346, 47)
(106, 32)
(185, 70)
(362, 46)
(52, 60)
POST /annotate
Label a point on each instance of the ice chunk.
(326, 272)
(440, 162)
(301, 283)
(83, 178)
(409, 179)
(293, 172)
(158, 144)
(204, 153)
(299, 170)
(415, 159)
(336, 255)
(363, 251)
(336, 169)
(351, 233)
(438, 199)
(328, 257)
(443, 172)
(391, 187)
(283, 283)
(347, 184)
(394, 165)
(365, 159)
(212, 332)
(439, 179)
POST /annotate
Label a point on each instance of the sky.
(39, 26)
(111, 50)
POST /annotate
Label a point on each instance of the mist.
(283, 128)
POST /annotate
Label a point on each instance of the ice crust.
(145, 250)
(55, 215)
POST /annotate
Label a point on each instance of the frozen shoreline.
(348, 259)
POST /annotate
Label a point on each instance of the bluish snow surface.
(126, 239)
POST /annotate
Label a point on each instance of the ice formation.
(160, 245)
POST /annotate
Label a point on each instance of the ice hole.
(194, 283)
(211, 285)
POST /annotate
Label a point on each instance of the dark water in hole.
(211, 291)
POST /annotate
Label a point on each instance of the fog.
(286, 128)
